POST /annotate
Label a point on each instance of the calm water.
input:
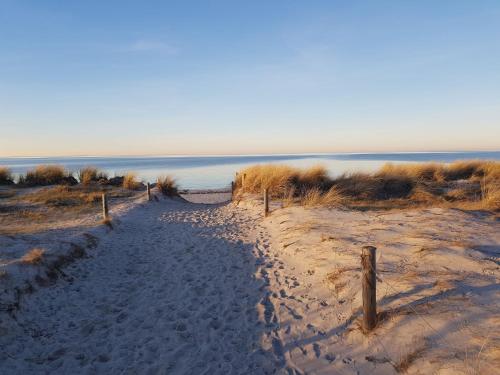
(208, 172)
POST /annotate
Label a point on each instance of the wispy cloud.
(151, 46)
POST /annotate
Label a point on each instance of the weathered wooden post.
(266, 201)
(104, 206)
(369, 285)
(232, 191)
(148, 191)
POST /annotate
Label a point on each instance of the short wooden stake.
(232, 190)
(148, 190)
(369, 285)
(266, 202)
(105, 212)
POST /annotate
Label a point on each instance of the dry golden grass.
(491, 195)
(52, 207)
(311, 198)
(421, 171)
(256, 178)
(63, 196)
(315, 197)
(404, 363)
(70, 196)
(6, 176)
(288, 197)
(44, 175)
(33, 256)
(465, 184)
(278, 179)
(130, 181)
(463, 170)
(167, 186)
(88, 175)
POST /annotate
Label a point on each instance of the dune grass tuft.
(6, 177)
(33, 256)
(44, 175)
(130, 181)
(88, 175)
(167, 186)
(278, 179)
(490, 194)
(315, 197)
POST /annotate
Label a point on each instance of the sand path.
(175, 288)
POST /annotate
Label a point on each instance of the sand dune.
(183, 288)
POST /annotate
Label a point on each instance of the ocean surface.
(213, 172)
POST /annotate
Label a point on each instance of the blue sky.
(239, 77)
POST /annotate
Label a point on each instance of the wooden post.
(104, 206)
(232, 190)
(148, 190)
(266, 201)
(369, 285)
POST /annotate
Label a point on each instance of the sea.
(217, 172)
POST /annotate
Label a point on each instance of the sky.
(242, 77)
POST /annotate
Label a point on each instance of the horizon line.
(247, 154)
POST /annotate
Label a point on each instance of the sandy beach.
(249, 188)
(191, 288)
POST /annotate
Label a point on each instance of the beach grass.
(32, 257)
(88, 175)
(167, 186)
(130, 181)
(471, 184)
(44, 175)
(6, 177)
(70, 196)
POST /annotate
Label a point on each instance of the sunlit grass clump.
(88, 175)
(130, 181)
(167, 186)
(469, 184)
(280, 178)
(44, 175)
(6, 177)
(33, 257)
